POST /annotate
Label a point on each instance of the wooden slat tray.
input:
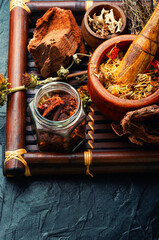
(110, 153)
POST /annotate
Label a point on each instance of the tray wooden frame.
(53, 163)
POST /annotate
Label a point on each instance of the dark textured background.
(108, 207)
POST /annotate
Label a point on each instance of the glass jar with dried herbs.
(59, 117)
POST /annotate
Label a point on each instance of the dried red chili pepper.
(155, 64)
(113, 53)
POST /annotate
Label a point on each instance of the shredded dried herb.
(144, 85)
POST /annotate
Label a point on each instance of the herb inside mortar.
(145, 84)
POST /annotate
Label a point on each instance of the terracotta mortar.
(111, 106)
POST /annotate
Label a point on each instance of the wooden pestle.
(141, 52)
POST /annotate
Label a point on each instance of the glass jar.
(57, 136)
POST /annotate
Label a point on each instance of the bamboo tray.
(103, 151)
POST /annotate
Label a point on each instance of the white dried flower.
(105, 23)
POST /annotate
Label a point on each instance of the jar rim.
(63, 122)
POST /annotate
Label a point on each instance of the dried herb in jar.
(57, 106)
(60, 120)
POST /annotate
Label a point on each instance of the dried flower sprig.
(84, 95)
(63, 72)
(30, 81)
(3, 89)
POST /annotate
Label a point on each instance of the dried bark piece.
(140, 125)
(56, 38)
(55, 103)
(58, 107)
(57, 113)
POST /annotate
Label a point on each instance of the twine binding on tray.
(19, 3)
(88, 154)
(17, 154)
(88, 4)
(91, 125)
(88, 161)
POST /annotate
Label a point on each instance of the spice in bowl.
(105, 23)
(59, 117)
(101, 22)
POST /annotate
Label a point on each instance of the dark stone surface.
(108, 207)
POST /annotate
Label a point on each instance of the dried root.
(140, 125)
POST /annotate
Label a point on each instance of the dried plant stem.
(51, 79)
(48, 80)
(81, 79)
(16, 89)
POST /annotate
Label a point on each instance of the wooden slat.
(15, 125)
(76, 6)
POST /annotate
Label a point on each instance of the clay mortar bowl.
(91, 38)
(111, 106)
